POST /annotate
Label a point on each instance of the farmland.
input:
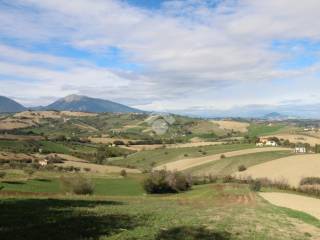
(114, 154)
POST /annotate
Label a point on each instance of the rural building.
(266, 142)
(43, 162)
(300, 150)
(271, 144)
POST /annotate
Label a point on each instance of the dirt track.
(97, 168)
(301, 203)
(193, 162)
(291, 168)
(178, 145)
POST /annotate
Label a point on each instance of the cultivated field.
(151, 158)
(230, 165)
(233, 125)
(291, 169)
(293, 201)
(297, 138)
(194, 162)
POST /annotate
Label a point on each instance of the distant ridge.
(8, 105)
(88, 104)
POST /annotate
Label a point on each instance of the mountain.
(275, 116)
(8, 105)
(88, 104)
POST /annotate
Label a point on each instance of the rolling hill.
(8, 105)
(88, 104)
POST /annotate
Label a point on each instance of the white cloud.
(187, 49)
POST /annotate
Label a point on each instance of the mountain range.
(70, 103)
(8, 105)
(96, 105)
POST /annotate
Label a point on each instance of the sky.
(160, 55)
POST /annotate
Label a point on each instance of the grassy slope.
(45, 182)
(148, 159)
(223, 210)
(230, 165)
(263, 129)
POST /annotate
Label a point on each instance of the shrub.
(310, 181)
(255, 186)
(77, 185)
(242, 168)
(167, 182)
(228, 179)
(123, 173)
(186, 155)
(87, 169)
(29, 171)
(222, 156)
(2, 174)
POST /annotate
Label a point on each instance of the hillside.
(8, 105)
(88, 104)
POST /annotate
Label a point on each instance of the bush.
(228, 179)
(77, 185)
(167, 182)
(310, 181)
(3, 174)
(123, 173)
(29, 171)
(242, 168)
(222, 156)
(255, 186)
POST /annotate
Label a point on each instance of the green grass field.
(256, 130)
(223, 212)
(39, 183)
(151, 158)
(230, 165)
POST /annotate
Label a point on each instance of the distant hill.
(8, 105)
(88, 104)
(274, 115)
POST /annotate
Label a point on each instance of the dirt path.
(178, 145)
(187, 163)
(296, 202)
(97, 168)
(291, 168)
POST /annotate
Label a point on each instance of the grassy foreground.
(216, 211)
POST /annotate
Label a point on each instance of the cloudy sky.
(161, 55)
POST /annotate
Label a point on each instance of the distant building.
(43, 162)
(263, 141)
(271, 144)
(300, 150)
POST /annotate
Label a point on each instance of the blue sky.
(161, 55)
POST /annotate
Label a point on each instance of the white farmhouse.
(271, 143)
(300, 150)
(43, 162)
